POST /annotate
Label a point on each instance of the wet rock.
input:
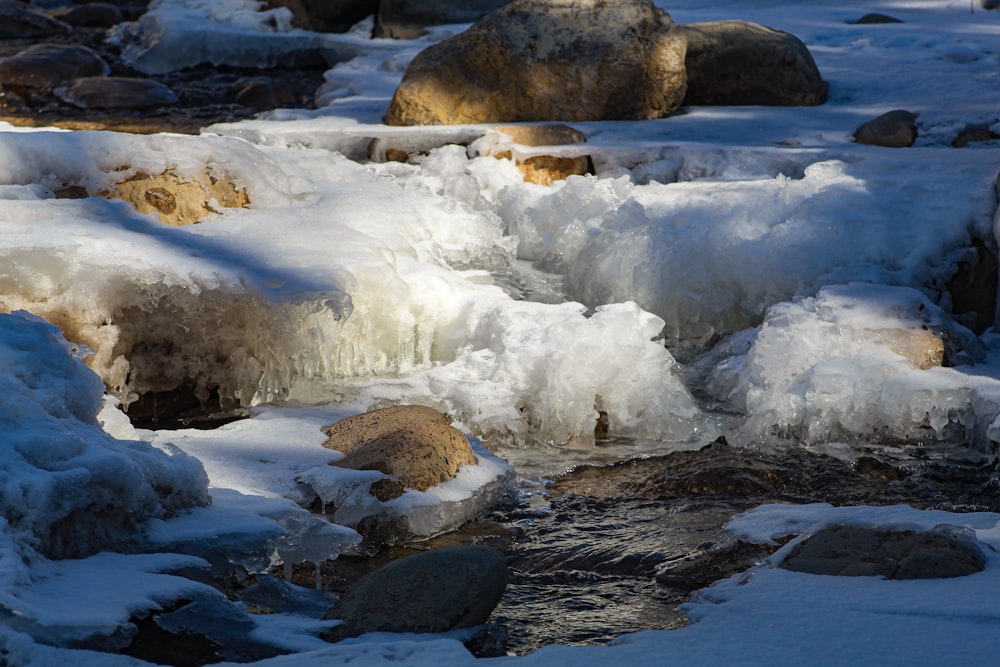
(415, 444)
(265, 93)
(435, 591)
(92, 15)
(893, 129)
(973, 288)
(18, 20)
(553, 61)
(327, 15)
(861, 551)
(48, 65)
(179, 200)
(541, 169)
(702, 568)
(869, 19)
(114, 92)
(736, 62)
(407, 19)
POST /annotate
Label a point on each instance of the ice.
(177, 34)
(835, 366)
(415, 514)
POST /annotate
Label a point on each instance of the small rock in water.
(893, 129)
(869, 19)
(18, 21)
(860, 551)
(48, 65)
(434, 591)
(113, 92)
(416, 444)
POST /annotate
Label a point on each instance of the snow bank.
(67, 489)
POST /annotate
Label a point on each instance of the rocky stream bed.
(593, 553)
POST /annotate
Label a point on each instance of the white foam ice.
(848, 364)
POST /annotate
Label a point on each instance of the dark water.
(604, 550)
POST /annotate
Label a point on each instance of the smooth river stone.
(48, 65)
(113, 92)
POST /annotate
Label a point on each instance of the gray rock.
(115, 92)
(17, 20)
(548, 60)
(893, 129)
(860, 551)
(47, 65)
(741, 63)
(407, 19)
(434, 591)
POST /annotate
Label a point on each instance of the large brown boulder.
(741, 63)
(406, 19)
(559, 60)
(415, 444)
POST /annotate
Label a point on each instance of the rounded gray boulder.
(434, 591)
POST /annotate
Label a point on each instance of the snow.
(752, 257)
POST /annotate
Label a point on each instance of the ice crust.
(177, 34)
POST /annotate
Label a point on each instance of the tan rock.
(558, 60)
(922, 347)
(416, 444)
(178, 200)
(542, 169)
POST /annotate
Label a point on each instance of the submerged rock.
(435, 591)
(541, 60)
(48, 65)
(862, 551)
(893, 129)
(736, 62)
(416, 444)
(113, 92)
